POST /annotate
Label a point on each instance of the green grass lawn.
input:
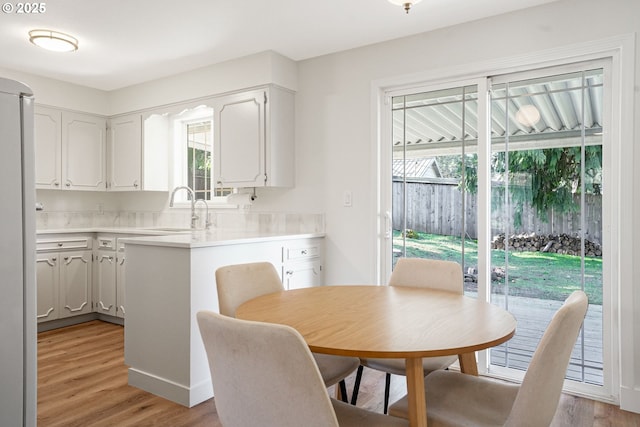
(530, 274)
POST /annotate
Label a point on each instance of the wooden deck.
(533, 316)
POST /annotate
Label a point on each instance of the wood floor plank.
(82, 382)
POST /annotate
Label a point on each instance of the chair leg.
(356, 385)
(387, 386)
(343, 391)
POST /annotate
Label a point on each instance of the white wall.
(62, 94)
(335, 124)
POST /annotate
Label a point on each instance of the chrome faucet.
(194, 217)
(206, 218)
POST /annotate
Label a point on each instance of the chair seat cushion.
(397, 366)
(456, 399)
(335, 368)
(352, 416)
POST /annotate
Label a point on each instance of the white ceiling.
(125, 42)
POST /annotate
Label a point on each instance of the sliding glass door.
(434, 151)
(546, 209)
(541, 139)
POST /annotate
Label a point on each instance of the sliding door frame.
(620, 127)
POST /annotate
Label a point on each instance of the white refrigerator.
(18, 348)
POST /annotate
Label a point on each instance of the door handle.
(387, 225)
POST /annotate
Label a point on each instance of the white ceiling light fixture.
(405, 3)
(528, 115)
(53, 40)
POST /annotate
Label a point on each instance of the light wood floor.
(82, 381)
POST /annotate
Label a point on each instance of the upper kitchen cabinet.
(124, 153)
(48, 134)
(83, 151)
(70, 150)
(254, 139)
(138, 153)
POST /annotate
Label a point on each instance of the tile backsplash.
(277, 222)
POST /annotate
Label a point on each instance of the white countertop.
(175, 237)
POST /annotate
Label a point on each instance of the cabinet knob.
(54, 259)
(68, 184)
(303, 252)
(289, 273)
(56, 183)
(59, 244)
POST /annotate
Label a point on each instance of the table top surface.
(384, 321)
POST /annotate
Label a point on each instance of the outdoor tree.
(548, 178)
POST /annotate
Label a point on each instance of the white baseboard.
(170, 390)
(630, 399)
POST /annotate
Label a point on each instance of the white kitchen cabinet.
(138, 153)
(83, 151)
(254, 138)
(125, 153)
(120, 282)
(48, 147)
(70, 150)
(109, 279)
(75, 283)
(48, 286)
(63, 272)
(104, 281)
(302, 264)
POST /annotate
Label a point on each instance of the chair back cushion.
(428, 273)
(263, 374)
(239, 283)
(539, 394)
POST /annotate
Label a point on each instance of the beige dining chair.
(417, 273)
(456, 399)
(264, 374)
(241, 282)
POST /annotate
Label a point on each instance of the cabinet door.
(239, 147)
(125, 153)
(83, 151)
(105, 286)
(120, 285)
(302, 275)
(75, 283)
(47, 278)
(48, 148)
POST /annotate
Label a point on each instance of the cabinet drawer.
(300, 252)
(105, 242)
(64, 243)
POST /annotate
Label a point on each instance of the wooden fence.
(436, 207)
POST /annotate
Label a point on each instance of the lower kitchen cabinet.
(109, 276)
(48, 282)
(105, 282)
(120, 282)
(64, 277)
(302, 264)
(75, 283)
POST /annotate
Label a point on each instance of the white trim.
(625, 384)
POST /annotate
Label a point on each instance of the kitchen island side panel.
(166, 287)
(157, 338)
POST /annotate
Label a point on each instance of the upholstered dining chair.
(241, 282)
(456, 399)
(417, 273)
(264, 374)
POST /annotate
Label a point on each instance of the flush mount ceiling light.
(405, 3)
(528, 115)
(53, 40)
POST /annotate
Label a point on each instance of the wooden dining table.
(388, 322)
